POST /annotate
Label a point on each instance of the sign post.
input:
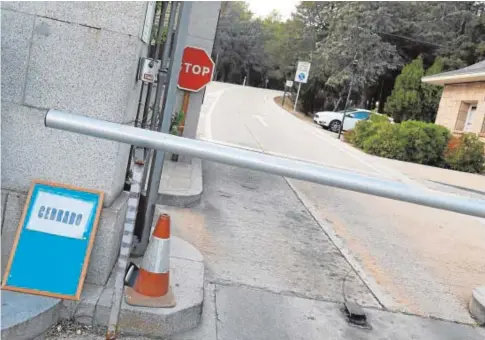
(289, 84)
(196, 72)
(301, 76)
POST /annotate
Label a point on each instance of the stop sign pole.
(195, 73)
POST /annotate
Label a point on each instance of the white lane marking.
(208, 115)
(238, 146)
(261, 120)
(271, 153)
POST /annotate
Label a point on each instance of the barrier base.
(136, 299)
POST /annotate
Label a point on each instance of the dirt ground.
(289, 107)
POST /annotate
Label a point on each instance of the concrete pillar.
(201, 33)
(80, 57)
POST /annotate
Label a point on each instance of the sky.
(261, 8)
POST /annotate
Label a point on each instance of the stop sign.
(196, 71)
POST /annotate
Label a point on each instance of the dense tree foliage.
(405, 100)
(382, 36)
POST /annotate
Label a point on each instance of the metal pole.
(150, 86)
(161, 85)
(162, 72)
(161, 80)
(297, 95)
(345, 108)
(284, 96)
(263, 162)
(140, 103)
(354, 65)
(163, 14)
(159, 155)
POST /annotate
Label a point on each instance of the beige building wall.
(453, 107)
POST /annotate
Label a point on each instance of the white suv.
(333, 120)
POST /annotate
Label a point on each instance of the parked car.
(333, 120)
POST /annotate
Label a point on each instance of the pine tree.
(405, 100)
(431, 94)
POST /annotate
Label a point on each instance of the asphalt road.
(416, 259)
(279, 254)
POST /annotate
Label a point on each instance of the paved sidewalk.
(272, 274)
(181, 183)
(245, 313)
(450, 177)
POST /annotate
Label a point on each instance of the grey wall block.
(16, 33)
(29, 7)
(82, 311)
(3, 202)
(133, 96)
(192, 119)
(107, 242)
(203, 19)
(197, 41)
(13, 211)
(26, 316)
(123, 17)
(201, 33)
(80, 69)
(118, 179)
(30, 150)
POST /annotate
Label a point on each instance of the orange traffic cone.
(152, 285)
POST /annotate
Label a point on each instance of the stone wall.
(80, 57)
(201, 33)
(452, 99)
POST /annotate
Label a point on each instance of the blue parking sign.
(302, 71)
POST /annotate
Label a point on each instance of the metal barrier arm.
(263, 162)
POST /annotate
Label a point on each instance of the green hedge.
(465, 154)
(417, 142)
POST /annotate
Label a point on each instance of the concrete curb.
(27, 316)
(477, 304)
(187, 281)
(185, 199)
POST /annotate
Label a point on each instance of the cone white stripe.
(157, 256)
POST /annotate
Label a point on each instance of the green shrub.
(176, 121)
(363, 130)
(426, 142)
(387, 142)
(465, 154)
(411, 141)
(375, 118)
(349, 136)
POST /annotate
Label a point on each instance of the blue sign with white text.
(52, 248)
